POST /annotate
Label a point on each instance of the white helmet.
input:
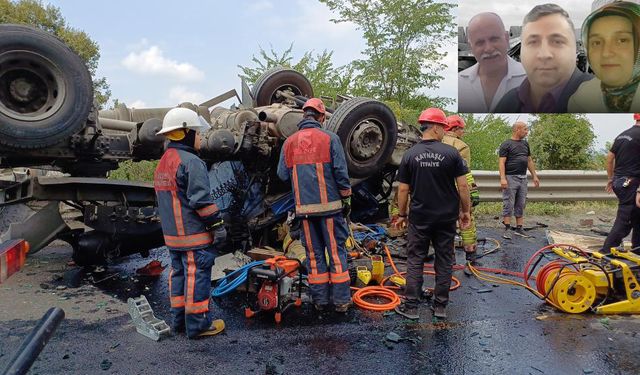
(182, 118)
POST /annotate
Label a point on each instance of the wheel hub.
(366, 140)
(31, 87)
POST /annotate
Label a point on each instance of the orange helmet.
(636, 116)
(433, 115)
(454, 121)
(315, 104)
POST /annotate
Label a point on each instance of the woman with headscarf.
(611, 35)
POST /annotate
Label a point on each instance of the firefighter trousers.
(420, 236)
(189, 290)
(321, 236)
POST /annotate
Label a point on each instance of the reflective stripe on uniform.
(338, 278)
(310, 252)
(320, 278)
(333, 246)
(207, 210)
(191, 277)
(177, 213)
(177, 302)
(315, 208)
(197, 307)
(322, 185)
(188, 240)
(296, 189)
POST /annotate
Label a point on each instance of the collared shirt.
(548, 103)
(471, 94)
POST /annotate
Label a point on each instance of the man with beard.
(481, 86)
(548, 54)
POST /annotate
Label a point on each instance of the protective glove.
(346, 206)
(219, 235)
(218, 231)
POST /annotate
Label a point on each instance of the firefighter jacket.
(185, 203)
(313, 159)
(451, 139)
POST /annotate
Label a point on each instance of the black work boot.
(408, 309)
(472, 259)
(439, 312)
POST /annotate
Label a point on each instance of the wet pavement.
(492, 329)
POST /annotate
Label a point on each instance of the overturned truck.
(48, 120)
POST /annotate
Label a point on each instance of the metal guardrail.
(555, 186)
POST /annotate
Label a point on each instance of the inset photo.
(562, 57)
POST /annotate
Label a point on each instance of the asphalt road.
(504, 330)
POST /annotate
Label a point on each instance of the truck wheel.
(46, 90)
(266, 86)
(368, 131)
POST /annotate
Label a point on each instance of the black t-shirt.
(626, 147)
(430, 169)
(517, 154)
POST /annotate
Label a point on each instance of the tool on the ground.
(576, 281)
(274, 286)
(12, 257)
(146, 323)
(35, 342)
(363, 277)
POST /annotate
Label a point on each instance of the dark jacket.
(185, 203)
(313, 159)
(510, 102)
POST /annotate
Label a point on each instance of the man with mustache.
(548, 54)
(481, 86)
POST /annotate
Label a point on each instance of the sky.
(161, 53)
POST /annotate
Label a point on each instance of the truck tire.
(46, 90)
(279, 78)
(368, 131)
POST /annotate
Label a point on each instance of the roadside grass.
(550, 208)
(134, 171)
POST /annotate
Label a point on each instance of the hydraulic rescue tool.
(575, 281)
(272, 286)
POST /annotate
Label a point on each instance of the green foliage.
(549, 208)
(134, 171)
(403, 40)
(561, 141)
(484, 134)
(326, 79)
(50, 19)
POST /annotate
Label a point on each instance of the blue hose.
(238, 276)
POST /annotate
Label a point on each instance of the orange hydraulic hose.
(386, 292)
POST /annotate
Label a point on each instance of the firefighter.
(429, 172)
(190, 223)
(453, 137)
(314, 161)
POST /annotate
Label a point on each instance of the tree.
(561, 141)
(49, 18)
(404, 42)
(484, 134)
(326, 79)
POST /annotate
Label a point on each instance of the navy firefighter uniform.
(187, 212)
(314, 161)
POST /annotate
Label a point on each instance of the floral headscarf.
(618, 99)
